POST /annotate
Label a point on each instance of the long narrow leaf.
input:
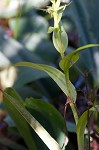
(19, 120)
(85, 47)
(54, 73)
(37, 127)
(80, 130)
(49, 117)
(82, 125)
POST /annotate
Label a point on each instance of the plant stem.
(75, 114)
(65, 108)
(74, 110)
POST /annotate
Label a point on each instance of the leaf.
(66, 63)
(54, 73)
(85, 47)
(64, 37)
(72, 57)
(49, 117)
(68, 60)
(11, 99)
(60, 39)
(82, 122)
(20, 114)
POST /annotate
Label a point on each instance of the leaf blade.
(21, 125)
(82, 122)
(54, 73)
(49, 117)
(60, 39)
(37, 127)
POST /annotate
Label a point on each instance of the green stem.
(72, 105)
(75, 114)
(78, 142)
(56, 25)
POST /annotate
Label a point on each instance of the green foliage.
(65, 64)
(22, 117)
(60, 39)
(68, 62)
(82, 125)
(47, 124)
(15, 106)
(81, 129)
(54, 73)
(49, 115)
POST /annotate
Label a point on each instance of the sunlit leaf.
(19, 113)
(12, 99)
(49, 117)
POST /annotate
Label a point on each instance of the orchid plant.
(60, 42)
